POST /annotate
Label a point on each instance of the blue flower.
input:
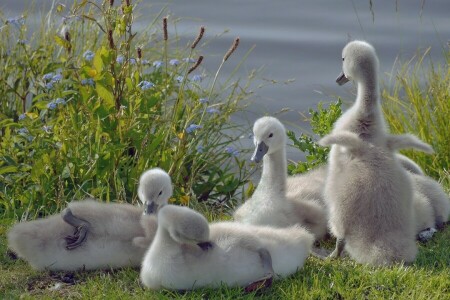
(174, 62)
(132, 61)
(189, 60)
(157, 64)
(52, 105)
(18, 22)
(56, 78)
(47, 76)
(200, 149)
(203, 100)
(191, 128)
(22, 42)
(145, 62)
(88, 81)
(212, 110)
(22, 116)
(60, 101)
(232, 151)
(47, 129)
(22, 130)
(197, 78)
(145, 85)
(179, 78)
(49, 85)
(120, 59)
(88, 55)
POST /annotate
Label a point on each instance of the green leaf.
(105, 93)
(98, 61)
(8, 169)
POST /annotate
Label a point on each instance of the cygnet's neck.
(367, 98)
(274, 175)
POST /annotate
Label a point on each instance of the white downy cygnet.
(94, 235)
(369, 196)
(188, 253)
(269, 204)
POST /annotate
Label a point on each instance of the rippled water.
(301, 40)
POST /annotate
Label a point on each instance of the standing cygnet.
(94, 235)
(188, 253)
(269, 204)
(369, 195)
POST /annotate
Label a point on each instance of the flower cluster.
(89, 55)
(51, 78)
(88, 81)
(54, 104)
(191, 128)
(145, 85)
(232, 151)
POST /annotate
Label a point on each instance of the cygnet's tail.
(403, 141)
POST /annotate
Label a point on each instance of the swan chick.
(269, 204)
(188, 253)
(117, 235)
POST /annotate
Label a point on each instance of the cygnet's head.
(269, 137)
(155, 189)
(185, 226)
(359, 62)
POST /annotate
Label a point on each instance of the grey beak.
(260, 150)
(150, 208)
(342, 79)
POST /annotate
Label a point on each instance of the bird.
(90, 234)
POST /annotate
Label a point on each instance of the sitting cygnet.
(269, 204)
(188, 253)
(94, 235)
(369, 196)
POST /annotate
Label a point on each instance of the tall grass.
(88, 103)
(419, 103)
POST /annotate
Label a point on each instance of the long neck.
(368, 94)
(274, 171)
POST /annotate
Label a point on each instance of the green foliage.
(89, 104)
(419, 103)
(321, 122)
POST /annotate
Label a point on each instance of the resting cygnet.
(269, 204)
(369, 197)
(188, 253)
(94, 235)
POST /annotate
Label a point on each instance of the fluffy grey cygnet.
(92, 235)
(269, 204)
(188, 253)
(369, 196)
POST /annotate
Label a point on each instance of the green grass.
(427, 278)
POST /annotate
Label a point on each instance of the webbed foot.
(205, 246)
(425, 235)
(81, 229)
(262, 283)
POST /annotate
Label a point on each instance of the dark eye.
(271, 135)
(343, 59)
(160, 193)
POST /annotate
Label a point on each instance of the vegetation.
(84, 110)
(88, 104)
